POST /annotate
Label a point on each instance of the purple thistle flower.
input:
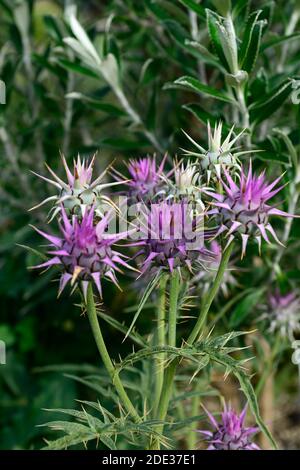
(230, 434)
(79, 191)
(283, 313)
(146, 178)
(243, 209)
(84, 251)
(171, 237)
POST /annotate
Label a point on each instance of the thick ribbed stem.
(174, 291)
(167, 387)
(171, 370)
(160, 340)
(92, 315)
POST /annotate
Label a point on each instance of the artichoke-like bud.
(243, 210)
(186, 179)
(185, 183)
(84, 251)
(231, 433)
(219, 156)
(79, 191)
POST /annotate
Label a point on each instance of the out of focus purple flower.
(282, 312)
(230, 433)
(243, 209)
(84, 251)
(171, 237)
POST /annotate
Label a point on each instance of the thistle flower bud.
(186, 179)
(230, 434)
(185, 183)
(219, 156)
(79, 192)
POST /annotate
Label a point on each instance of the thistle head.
(230, 433)
(84, 251)
(146, 178)
(243, 209)
(219, 155)
(282, 312)
(79, 191)
(171, 237)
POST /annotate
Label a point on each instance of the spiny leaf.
(70, 440)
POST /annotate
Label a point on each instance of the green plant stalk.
(208, 299)
(171, 370)
(167, 386)
(93, 319)
(192, 435)
(174, 292)
(161, 318)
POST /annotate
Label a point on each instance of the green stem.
(167, 386)
(92, 315)
(161, 314)
(208, 299)
(164, 401)
(174, 292)
(171, 370)
(244, 111)
(192, 435)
